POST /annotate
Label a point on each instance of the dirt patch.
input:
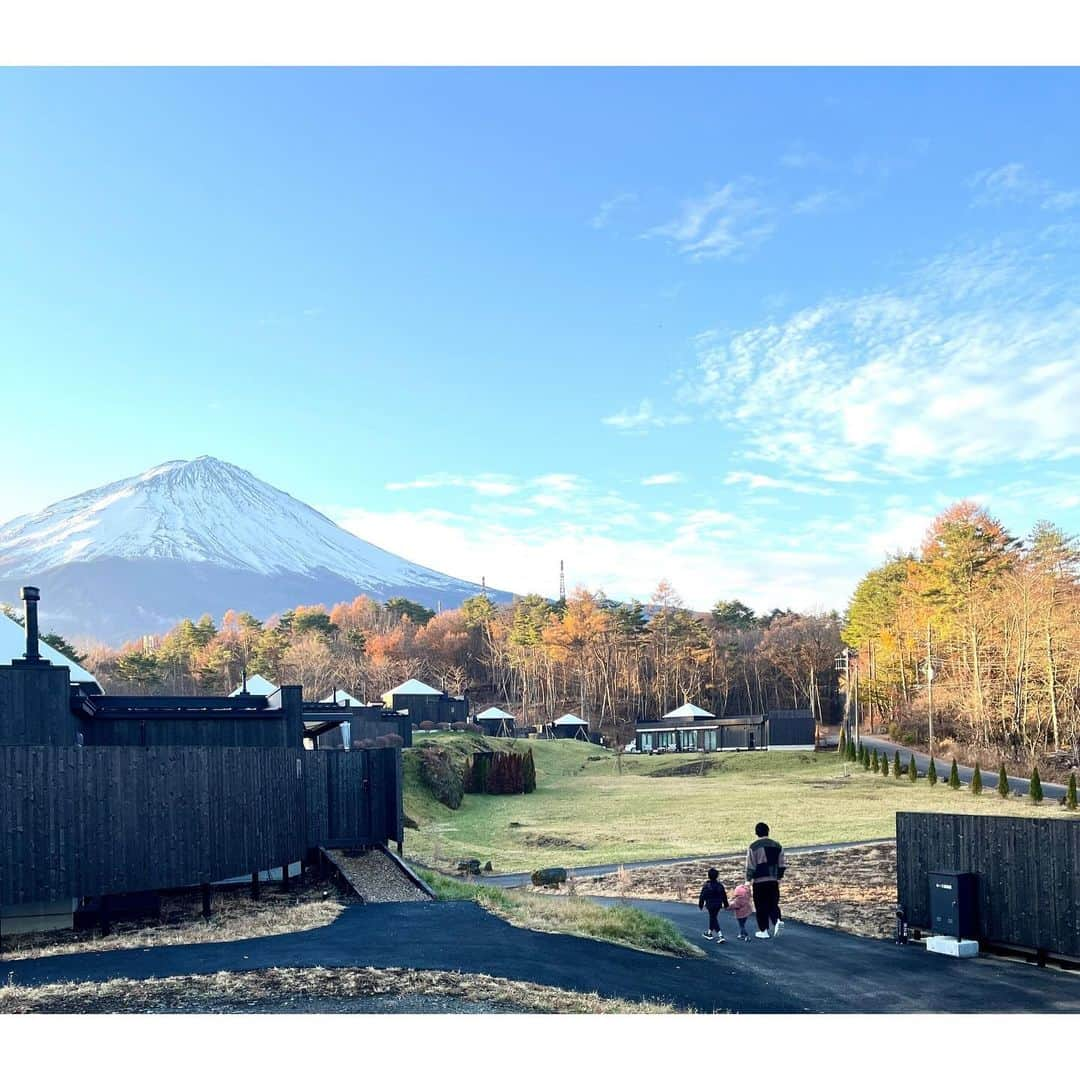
(543, 840)
(312, 989)
(853, 889)
(234, 916)
(688, 768)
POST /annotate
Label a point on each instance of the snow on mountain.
(202, 521)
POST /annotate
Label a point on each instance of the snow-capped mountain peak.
(207, 515)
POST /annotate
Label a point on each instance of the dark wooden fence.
(91, 821)
(1028, 874)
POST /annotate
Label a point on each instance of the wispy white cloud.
(643, 418)
(1016, 182)
(798, 156)
(755, 481)
(608, 207)
(484, 484)
(973, 359)
(726, 221)
(660, 479)
(817, 202)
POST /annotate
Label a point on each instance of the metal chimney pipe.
(30, 596)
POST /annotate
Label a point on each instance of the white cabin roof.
(339, 697)
(256, 684)
(414, 687)
(569, 720)
(687, 712)
(13, 646)
(494, 714)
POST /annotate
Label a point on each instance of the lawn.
(621, 924)
(584, 812)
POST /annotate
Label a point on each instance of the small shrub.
(875, 765)
(954, 776)
(976, 781)
(1035, 789)
(1070, 793)
(912, 769)
(931, 772)
(866, 759)
(1003, 782)
(896, 764)
(841, 746)
(884, 764)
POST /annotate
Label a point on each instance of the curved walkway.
(807, 970)
(1017, 784)
(513, 881)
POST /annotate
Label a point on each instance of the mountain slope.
(187, 537)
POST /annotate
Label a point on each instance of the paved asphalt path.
(513, 881)
(1017, 784)
(806, 970)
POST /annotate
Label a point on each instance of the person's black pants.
(766, 903)
(714, 923)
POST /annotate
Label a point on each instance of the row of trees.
(978, 633)
(608, 661)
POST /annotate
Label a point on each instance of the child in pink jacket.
(741, 907)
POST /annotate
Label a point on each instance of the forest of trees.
(997, 618)
(612, 663)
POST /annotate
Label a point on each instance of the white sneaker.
(707, 934)
(720, 939)
(777, 927)
(762, 934)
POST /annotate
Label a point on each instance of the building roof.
(414, 688)
(494, 714)
(13, 646)
(570, 720)
(687, 712)
(256, 684)
(339, 697)
(702, 723)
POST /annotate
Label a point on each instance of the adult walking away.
(764, 869)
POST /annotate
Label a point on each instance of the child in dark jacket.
(713, 897)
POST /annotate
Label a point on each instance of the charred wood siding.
(1028, 874)
(98, 820)
(34, 707)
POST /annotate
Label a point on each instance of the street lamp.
(847, 660)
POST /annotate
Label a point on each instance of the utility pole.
(856, 659)
(930, 683)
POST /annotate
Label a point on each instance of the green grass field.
(583, 812)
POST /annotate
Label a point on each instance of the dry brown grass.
(234, 916)
(232, 991)
(852, 890)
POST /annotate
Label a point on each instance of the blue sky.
(748, 330)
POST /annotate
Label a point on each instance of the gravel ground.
(377, 878)
(313, 1003)
(853, 890)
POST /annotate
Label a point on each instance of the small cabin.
(424, 703)
(496, 722)
(569, 726)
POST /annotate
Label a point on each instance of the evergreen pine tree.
(1070, 794)
(912, 769)
(1003, 782)
(841, 746)
(896, 764)
(875, 765)
(884, 764)
(976, 781)
(866, 758)
(931, 772)
(954, 776)
(1035, 789)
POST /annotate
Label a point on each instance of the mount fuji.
(187, 537)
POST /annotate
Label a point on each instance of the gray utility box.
(954, 901)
